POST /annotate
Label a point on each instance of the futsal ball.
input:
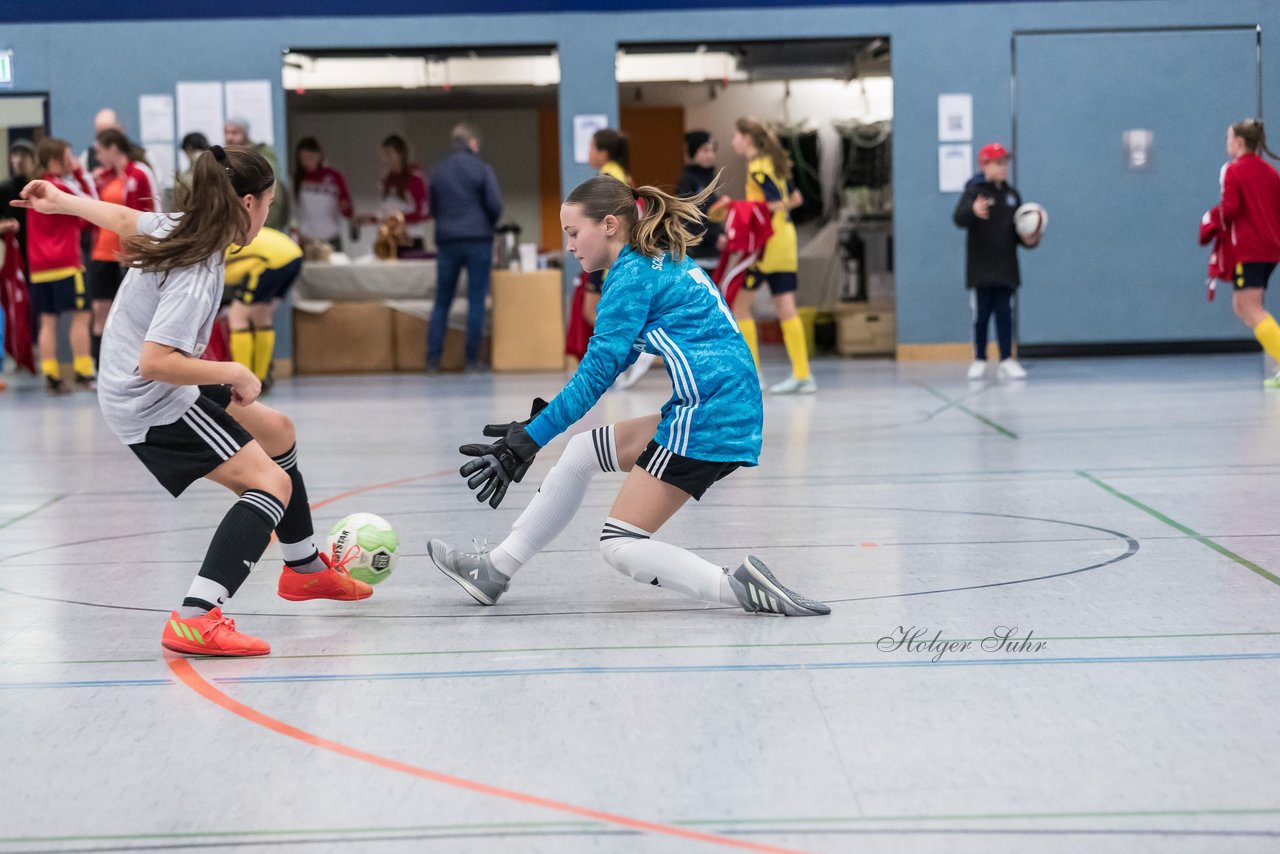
(377, 541)
(1030, 219)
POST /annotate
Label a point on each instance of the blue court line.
(692, 668)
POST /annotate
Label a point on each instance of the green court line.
(697, 822)
(54, 500)
(1178, 526)
(642, 648)
(999, 428)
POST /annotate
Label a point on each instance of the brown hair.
(113, 138)
(400, 180)
(307, 143)
(1254, 136)
(615, 144)
(766, 143)
(49, 150)
(213, 216)
(667, 223)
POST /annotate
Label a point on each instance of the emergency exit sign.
(6, 68)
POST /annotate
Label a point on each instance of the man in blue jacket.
(465, 203)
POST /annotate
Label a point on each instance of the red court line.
(183, 669)
(316, 505)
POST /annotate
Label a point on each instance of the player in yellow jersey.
(768, 181)
(261, 274)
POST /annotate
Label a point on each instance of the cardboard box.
(528, 321)
(863, 329)
(351, 337)
(411, 345)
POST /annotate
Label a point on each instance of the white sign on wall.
(955, 117)
(200, 110)
(156, 118)
(955, 167)
(6, 68)
(251, 100)
(584, 127)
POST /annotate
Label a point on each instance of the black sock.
(241, 539)
(295, 526)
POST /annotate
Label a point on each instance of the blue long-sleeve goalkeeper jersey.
(671, 309)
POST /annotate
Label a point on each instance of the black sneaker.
(86, 383)
(53, 386)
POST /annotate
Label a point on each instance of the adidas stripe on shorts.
(205, 437)
(693, 476)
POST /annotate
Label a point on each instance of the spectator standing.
(404, 188)
(699, 172)
(322, 195)
(57, 270)
(236, 132)
(466, 204)
(121, 180)
(22, 169)
(986, 211)
(193, 145)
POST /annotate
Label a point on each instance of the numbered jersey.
(673, 310)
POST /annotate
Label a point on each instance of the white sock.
(630, 550)
(302, 557)
(558, 498)
(205, 590)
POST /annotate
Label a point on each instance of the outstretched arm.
(44, 197)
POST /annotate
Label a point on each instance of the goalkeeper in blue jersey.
(654, 300)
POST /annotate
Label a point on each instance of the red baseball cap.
(993, 151)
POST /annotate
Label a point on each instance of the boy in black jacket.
(986, 210)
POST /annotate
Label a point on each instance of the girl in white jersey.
(186, 418)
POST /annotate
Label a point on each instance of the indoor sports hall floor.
(1121, 511)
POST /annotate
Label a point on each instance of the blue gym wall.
(936, 48)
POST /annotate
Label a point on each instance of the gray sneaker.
(473, 570)
(760, 593)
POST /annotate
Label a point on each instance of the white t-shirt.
(176, 309)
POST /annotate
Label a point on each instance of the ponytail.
(213, 216)
(1254, 135)
(765, 142)
(668, 224)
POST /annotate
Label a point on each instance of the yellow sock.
(264, 347)
(797, 347)
(242, 347)
(50, 368)
(1268, 334)
(748, 327)
(84, 366)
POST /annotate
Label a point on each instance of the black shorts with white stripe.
(205, 437)
(693, 476)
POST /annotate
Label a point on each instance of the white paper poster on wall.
(584, 127)
(200, 110)
(955, 167)
(251, 100)
(163, 162)
(955, 117)
(156, 113)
